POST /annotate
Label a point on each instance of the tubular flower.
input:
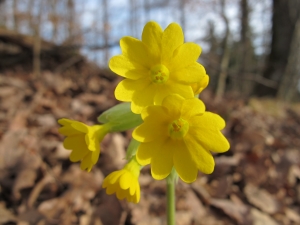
(83, 140)
(179, 134)
(200, 86)
(158, 65)
(124, 182)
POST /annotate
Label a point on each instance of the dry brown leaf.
(261, 199)
(260, 218)
(238, 212)
(25, 179)
(292, 215)
(198, 187)
(6, 216)
(195, 206)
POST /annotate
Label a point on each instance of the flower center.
(159, 74)
(178, 128)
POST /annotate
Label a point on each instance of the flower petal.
(155, 111)
(152, 129)
(68, 130)
(173, 88)
(112, 178)
(80, 126)
(125, 181)
(136, 51)
(192, 73)
(172, 38)
(92, 139)
(125, 67)
(192, 107)
(206, 130)
(121, 194)
(95, 156)
(147, 150)
(151, 37)
(184, 55)
(200, 86)
(133, 186)
(173, 104)
(78, 154)
(137, 195)
(143, 98)
(184, 164)
(76, 141)
(65, 121)
(162, 161)
(86, 163)
(126, 88)
(112, 189)
(202, 158)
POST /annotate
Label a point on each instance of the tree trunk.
(246, 50)
(71, 21)
(283, 26)
(221, 86)
(31, 18)
(182, 14)
(15, 15)
(37, 52)
(106, 30)
(54, 20)
(288, 89)
(3, 13)
(37, 42)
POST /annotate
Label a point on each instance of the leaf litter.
(256, 182)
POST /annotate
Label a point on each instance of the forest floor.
(256, 182)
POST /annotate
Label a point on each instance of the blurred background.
(249, 47)
(53, 64)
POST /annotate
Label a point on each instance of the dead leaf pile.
(257, 182)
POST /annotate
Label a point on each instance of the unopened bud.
(120, 118)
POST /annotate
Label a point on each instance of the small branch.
(258, 79)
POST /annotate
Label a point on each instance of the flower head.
(179, 134)
(124, 182)
(158, 65)
(83, 140)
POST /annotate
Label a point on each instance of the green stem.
(171, 179)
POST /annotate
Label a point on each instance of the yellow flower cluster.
(162, 78)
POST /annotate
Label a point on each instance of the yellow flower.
(158, 65)
(124, 182)
(179, 134)
(200, 86)
(83, 140)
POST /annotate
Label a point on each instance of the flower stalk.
(171, 182)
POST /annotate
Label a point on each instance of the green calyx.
(133, 166)
(132, 148)
(120, 118)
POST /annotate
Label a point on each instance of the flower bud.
(120, 118)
